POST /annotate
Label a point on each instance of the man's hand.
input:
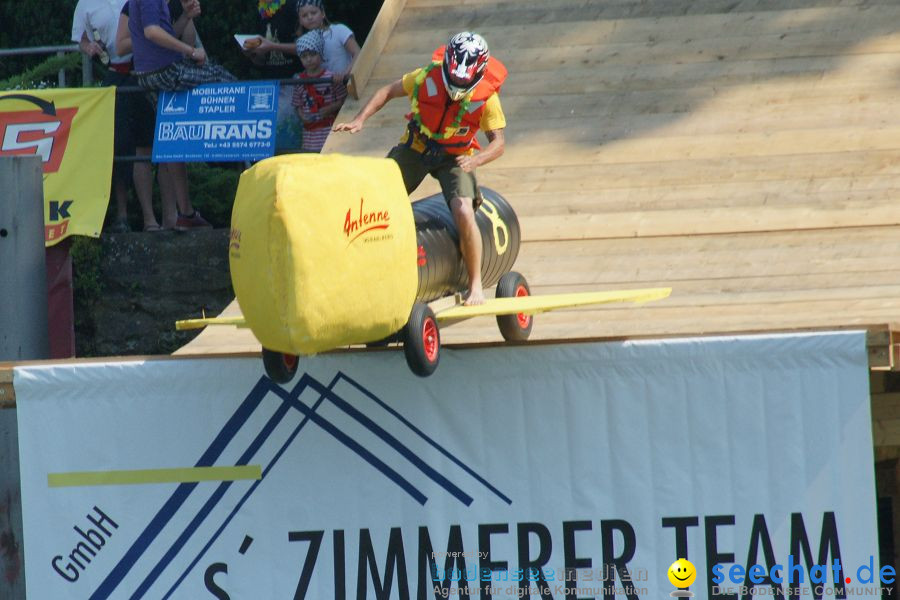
(198, 55)
(467, 162)
(191, 8)
(354, 126)
(93, 49)
(263, 47)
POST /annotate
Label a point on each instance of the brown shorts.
(455, 183)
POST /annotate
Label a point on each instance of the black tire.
(422, 341)
(280, 367)
(514, 328)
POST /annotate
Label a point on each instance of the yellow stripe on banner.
(139, 476)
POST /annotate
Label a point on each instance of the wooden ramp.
(745, 153)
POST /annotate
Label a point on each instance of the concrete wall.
(23, 295)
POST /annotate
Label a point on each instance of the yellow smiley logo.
(682, 573)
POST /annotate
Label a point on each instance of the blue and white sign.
(217, 122)
(527, 472)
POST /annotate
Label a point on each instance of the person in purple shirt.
(166, 59)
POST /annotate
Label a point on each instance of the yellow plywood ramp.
(746, 154)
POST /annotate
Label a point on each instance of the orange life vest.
(436, 111)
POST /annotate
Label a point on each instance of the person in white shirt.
(341, 47)
(94, 28)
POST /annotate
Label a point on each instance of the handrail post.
(87, 71)
(62, 72)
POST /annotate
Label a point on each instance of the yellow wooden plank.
(187, 324)
(530, 305)
(375, 42)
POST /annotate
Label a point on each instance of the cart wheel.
(514, 328)
(422, 341)
(280, 367)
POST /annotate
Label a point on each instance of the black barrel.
(442, 271)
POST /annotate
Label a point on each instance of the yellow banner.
(72, 131)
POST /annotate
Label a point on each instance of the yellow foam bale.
(323, 251)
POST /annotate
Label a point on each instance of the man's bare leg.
(167, 196)
(469, 246)
(143, 188)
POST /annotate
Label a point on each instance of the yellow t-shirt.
(491, 119)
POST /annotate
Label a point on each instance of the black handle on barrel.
(442, 271)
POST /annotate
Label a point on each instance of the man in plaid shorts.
(165, 61)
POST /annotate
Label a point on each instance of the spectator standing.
(275, 56)
(94, 27)
(341, 48)
(316, 104)
(165, 61)
(145, 112)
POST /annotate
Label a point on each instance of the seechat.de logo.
(793, 573)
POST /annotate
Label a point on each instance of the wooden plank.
(572, 173)
(886, 432)
(690, 77)
(625, 46)
(707, 221)
(523, 146)
(416, 29)
(7, 392)
(827, 194)
(886, 406)
(887, 453)
(421, 13)
(786, 285)
(761, 99)
(375, 42)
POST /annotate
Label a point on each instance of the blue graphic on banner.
(305, 414)
(217, 122)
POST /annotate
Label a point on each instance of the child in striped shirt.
(316, 104)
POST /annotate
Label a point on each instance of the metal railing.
(87, 79)
(87, 72)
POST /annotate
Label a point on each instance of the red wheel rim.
(523, 319)
(430, 341)
(289, 361)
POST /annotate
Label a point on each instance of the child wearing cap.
(316, 104)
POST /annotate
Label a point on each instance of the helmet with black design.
(465, 60)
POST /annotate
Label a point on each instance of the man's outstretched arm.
(375, 103)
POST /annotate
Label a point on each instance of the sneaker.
(195, 221)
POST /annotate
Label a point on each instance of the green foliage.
(30, 23)
(43, 74)
(87, 283)
(212, 191)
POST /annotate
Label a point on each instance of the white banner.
(572, 471)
